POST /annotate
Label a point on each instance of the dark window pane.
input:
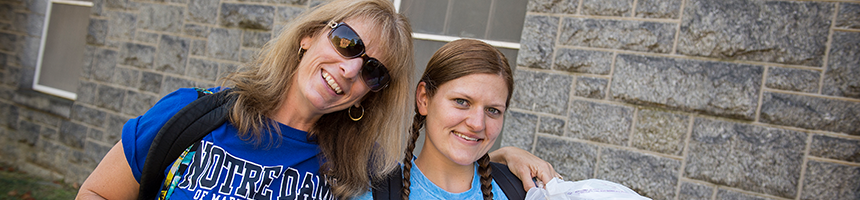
(426, 16)
(469, 18)
(506, 22)
(65, 42)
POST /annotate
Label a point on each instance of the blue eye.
(461, 102)
(494, 111)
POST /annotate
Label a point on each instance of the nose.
(475, 120)
(351, 67)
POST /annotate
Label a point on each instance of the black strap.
(507, 181)
(188, 126)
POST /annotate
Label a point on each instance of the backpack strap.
(509, 183)
(186, 127)
(389, 188)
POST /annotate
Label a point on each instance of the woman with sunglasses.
(317, 115)
(462, 98)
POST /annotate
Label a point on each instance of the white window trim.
(43, 88)
(446, 38)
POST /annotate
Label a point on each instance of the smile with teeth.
(465, 137)
(331, 83)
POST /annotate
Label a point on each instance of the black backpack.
(507, 181)
(186, 127)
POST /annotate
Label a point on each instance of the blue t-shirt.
(222, 165)
(423, 188)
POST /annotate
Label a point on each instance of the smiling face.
(325, 81)
(464, 117)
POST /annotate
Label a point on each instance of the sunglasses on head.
(346, 41)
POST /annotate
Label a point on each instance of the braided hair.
(454, 60)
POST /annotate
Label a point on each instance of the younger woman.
(462, 98)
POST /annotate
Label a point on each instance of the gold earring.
(349, 111)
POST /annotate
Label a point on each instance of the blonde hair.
(353, 152)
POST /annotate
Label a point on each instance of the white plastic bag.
(557, 189)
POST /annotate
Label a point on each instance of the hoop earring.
(302, 53)
(355, 119)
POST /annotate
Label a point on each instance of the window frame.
(44, 88)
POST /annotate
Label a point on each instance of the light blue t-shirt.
(423, 188)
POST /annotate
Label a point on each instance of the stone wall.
(677, 99)
(694, 99)
(137, 52)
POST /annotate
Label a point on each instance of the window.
(63, 43)
(436, 22)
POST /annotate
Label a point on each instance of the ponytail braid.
(417, 123)
(486, 180)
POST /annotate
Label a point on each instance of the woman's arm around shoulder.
(525, 165)
(112, 178)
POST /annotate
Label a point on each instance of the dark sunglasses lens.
(375, 74)
(346, 41)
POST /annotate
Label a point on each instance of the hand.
(524, 165)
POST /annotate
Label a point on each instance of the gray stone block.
(10, 119)
(541, 92)
(831, 181)
(37, 6)
(87, 115)
(648, 175)
(172, 54)
(151, 82)
(588, 87)
(224, 44)
(247, 16)
(835, 148)
(621, 8)
(115, 124)
(583, 61)
(810, 113)
(551, 125)
(96, 134)
(799, 80)
(292, 2)
(98, 8)
(729, 194)
(745, 156)
(121, 4)
(203, 69)
(226, 68)
(652, 37)
(248, 55)
(173, 83)
(42, 118)
(146, 37)
(7, 39)
(73, 134)
(28, 133)
(6, 13)
(104, 62)
(109, 98)
(30, 53)
(121, 25)
(849, 16)
(538, 41)
(203, 11)
(715, 88)
(600, 122)
(196, 30)
(50, 133)
(659, 131)
(553, 6)
(658, 9)
(87, 67)
(159, 17)
(126, 77)
(756, 30)
(198, 47)
(95, 151)
(255, 39)
(843, 66)
(34, 24)
(519, 130)
(86, 92)
(693, 191)
(573, 160)
(286, 14)
(137, 55)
